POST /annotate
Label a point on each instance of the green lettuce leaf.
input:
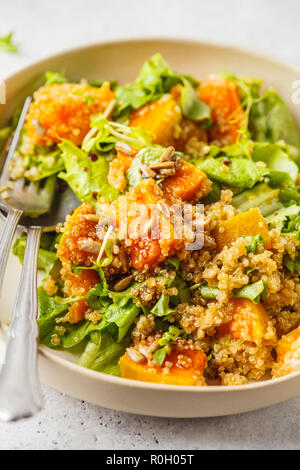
(271, 121)
(261, 196)
(88, 179)
(173, 263)
(102, 354)
(253, 243)
(97, 297)
(192, 107)
(117, 320)
(47, 257)
(168, 338)
(54, 78)
(104, 135)
(7, 44)
(286, 219)
(162, 307)
(241, 173)
(208, 292)
(4, 135)
(292, 265)
(277, 158)
(255, 292)
(49, 310)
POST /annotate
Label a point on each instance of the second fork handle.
(20, 394)
(6, 239)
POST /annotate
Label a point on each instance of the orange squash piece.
(187, 183)
(78, 226)
(177, 375)
(250, 321)
(249, 223)
(70, 252)
(285, 343)
(226, 110)
(146, 250)
(158, 118)
(288, 354)
(117, 171)
(64, 111)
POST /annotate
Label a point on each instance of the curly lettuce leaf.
(162, 307)
(87, 178)
(104, 135)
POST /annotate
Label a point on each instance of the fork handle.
(6, 239)
(20, 395)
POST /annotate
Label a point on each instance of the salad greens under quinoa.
(152, 309)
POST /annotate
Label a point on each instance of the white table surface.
(43, 27)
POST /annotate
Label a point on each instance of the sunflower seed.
(147, 172)
(162, 165)
(123, 283)
(167, 154)
(91, 217)
(89, 245)
(168, 172)
(38, 127)
(124, 148)
(135, 355)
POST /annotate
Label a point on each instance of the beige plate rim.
(99, 376)
(180, 40)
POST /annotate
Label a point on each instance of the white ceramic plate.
(121, 61)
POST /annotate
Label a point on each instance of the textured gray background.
(43, 27)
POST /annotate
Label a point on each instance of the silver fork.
(28, 198)
(19, 371)
(13, 213)
(20, 394)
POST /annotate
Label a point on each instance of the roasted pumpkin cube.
(146, 248)
(176, 374)
(187, 183)
(250, 322)
(285, 343)
(226, 111)
(117, 171)
(63, 111)
(158, 118)
(249, 223)
(288, 354)
(71, 252)
(80, 225)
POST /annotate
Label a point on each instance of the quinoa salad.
(216, 302)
